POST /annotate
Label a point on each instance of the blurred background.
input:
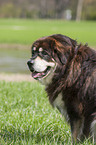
(51, 9)
(22, 22)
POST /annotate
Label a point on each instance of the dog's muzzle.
(35, 74)
(30, 65)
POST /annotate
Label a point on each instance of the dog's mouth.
(37, 75)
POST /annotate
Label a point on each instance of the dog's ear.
(63, 47)
(59, 52)
(59, 56)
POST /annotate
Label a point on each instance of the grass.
(24, 31)
(27, 118)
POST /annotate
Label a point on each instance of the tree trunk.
(79, 10)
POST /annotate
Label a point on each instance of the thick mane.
(68, 71)
(80, 67)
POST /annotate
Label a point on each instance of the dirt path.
(16, 77)
(15, 46)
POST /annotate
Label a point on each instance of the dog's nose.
(30, 63)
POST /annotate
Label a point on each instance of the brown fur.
(75, 77)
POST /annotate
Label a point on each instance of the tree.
(79, 10)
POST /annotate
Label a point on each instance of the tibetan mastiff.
(68, 71)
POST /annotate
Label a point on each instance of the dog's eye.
(45, 55)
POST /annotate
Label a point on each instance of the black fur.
(75, 78)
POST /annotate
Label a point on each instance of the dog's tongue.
(37, 75)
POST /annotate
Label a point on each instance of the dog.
(68, 71)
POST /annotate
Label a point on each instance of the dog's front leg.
(76, 130)
(93, 130)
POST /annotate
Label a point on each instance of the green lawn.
(24, 31)
(27, 118)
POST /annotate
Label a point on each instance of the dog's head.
(48, 54)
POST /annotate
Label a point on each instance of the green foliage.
(9, 10)
(46, 9)
(26, 117)
(24, 31)
(90, 11)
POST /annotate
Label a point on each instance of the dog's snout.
(30, 62)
